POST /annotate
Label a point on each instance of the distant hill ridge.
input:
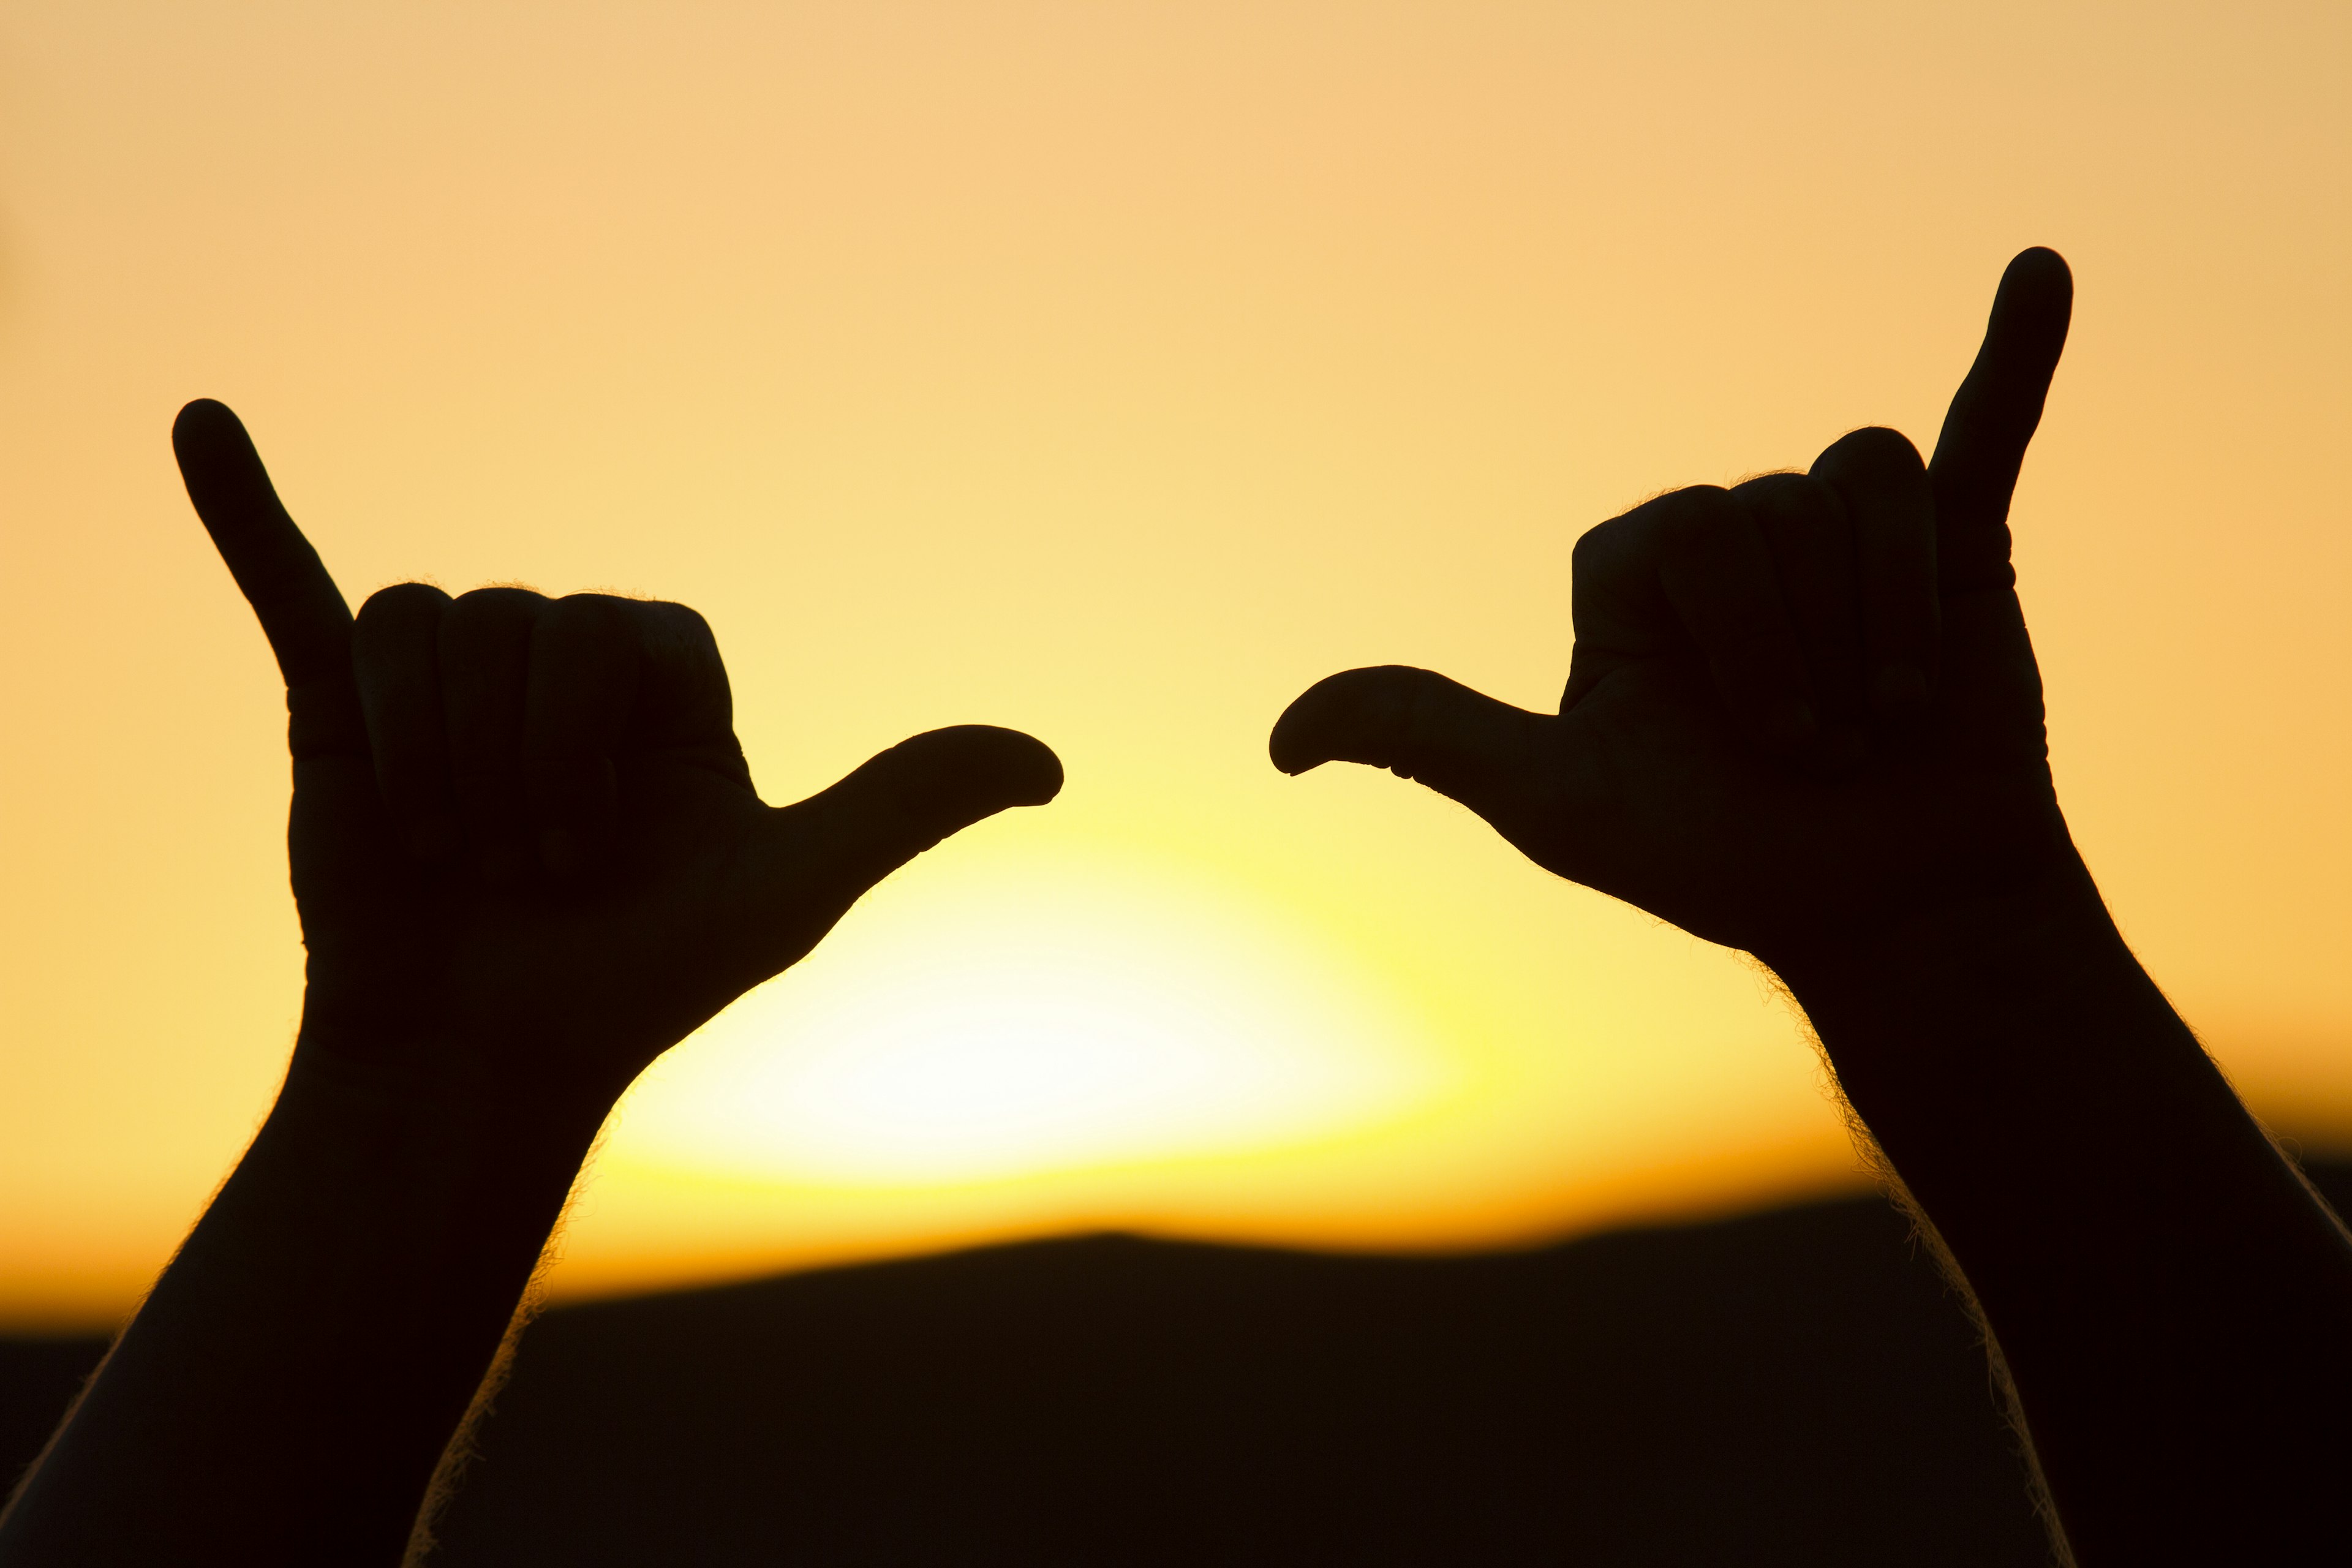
(1794, 1386)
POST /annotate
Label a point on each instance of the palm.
(1658, 799)
(523, 834)
(600, 978)
(1738, 750)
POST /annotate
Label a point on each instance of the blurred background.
(1113, 370)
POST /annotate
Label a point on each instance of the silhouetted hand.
(1803, 718)
(528, 858)
(523, 832)
(1796, 707)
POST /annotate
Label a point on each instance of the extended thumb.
(906, 799)
(1414, 722)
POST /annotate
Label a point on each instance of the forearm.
(2173, 1304)
(286, 1390)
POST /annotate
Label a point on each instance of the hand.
(1798, 708)
(526, 847)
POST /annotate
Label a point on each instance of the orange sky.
(1114, 371)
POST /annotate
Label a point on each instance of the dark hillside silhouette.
(1791, 1387)
(1795, 1386)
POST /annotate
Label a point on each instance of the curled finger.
(1716, 572)
(394, 657)
(1878, 475)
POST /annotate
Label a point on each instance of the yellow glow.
(1035, 1018)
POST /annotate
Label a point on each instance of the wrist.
(2055, 915)
(2008, 993)
(453, 1177)
(373, 1093)
(2012, 1028)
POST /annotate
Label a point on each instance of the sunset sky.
(1113, 370)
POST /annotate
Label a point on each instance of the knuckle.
(1688, 503)
(1873, 449)
(1663, 518)
(660, 629)
(682, 623)
(1784, 491)
(500, 602)
(597, 611)
(1702, 519)
(1796, 511)
(1594, 548)
(404, 603)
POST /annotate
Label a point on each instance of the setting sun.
(1036, 1018)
